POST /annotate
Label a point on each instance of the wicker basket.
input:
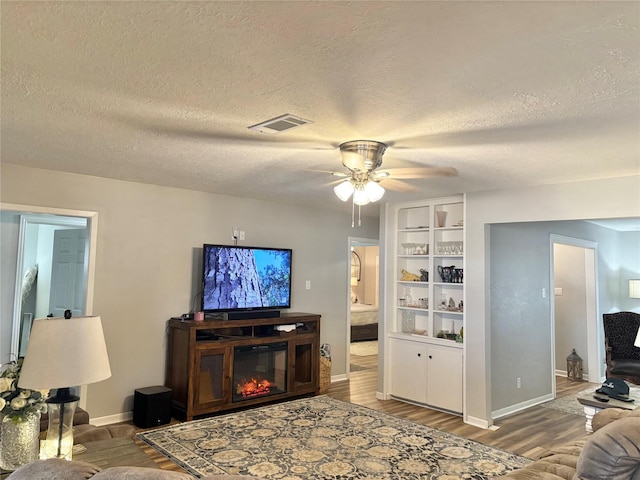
(325, 375)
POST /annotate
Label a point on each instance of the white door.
(444, 373)
(68, 279)
(409, 370)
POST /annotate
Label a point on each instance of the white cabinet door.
(444, 378)
(409, 370)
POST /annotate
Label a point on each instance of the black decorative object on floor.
(152, 406)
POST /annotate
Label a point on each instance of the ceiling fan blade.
(419, 172)
(333, 173)
(333, 182)
(340, 174)
(399, 185)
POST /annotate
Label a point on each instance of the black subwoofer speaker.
(152, 406)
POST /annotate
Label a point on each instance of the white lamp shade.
(360, 197)
(64, 353)
(344, 190)
(634, 288)
(374, 190)
(637, 342)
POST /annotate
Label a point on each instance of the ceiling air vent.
(280, 124)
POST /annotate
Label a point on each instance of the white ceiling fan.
(361, 183)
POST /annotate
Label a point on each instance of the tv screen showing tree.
(244, 278)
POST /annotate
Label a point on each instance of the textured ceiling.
(506, 93)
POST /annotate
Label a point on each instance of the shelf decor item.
(408, 322)
(409, 277)
(441, 216)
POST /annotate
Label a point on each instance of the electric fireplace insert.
(259, 371)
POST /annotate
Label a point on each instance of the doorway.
(363, 282)
(574, 305)
(21, 223)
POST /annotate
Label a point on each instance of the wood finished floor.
(529, 433)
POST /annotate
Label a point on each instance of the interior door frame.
(352, 242)
(594, 335)
(36, 214)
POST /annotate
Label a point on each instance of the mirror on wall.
(48, 260)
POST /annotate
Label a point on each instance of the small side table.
(593, 406)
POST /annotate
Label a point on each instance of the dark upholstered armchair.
(623, 358)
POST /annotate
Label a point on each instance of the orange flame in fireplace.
(254, 388)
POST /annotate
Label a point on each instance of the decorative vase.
(19, 440)
(441, 216)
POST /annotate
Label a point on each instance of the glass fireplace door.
(259, 371)
(211, 388)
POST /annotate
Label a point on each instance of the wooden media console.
(209, 363)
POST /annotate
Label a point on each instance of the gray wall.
(520, 318)
(488, 359)
(148, 252)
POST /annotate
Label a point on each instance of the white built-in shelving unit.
(425, 302)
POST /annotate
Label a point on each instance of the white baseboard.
(520, 406)
(339, 378)
(477, 422)
(380, 396)
(563, 373)
(110, 419)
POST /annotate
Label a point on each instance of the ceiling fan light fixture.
(374, 191)
(344, 190)
(360, 197)
(362, 155)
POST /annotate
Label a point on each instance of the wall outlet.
(241, 234)
(518, 383)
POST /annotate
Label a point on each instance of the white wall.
(606, 198)
(148, 261)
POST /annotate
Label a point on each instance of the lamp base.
(59, 441)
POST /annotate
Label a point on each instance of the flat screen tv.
(238, 278)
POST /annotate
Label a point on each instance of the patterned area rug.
(570, 404)
(321, 438)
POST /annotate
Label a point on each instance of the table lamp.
(63, 353)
